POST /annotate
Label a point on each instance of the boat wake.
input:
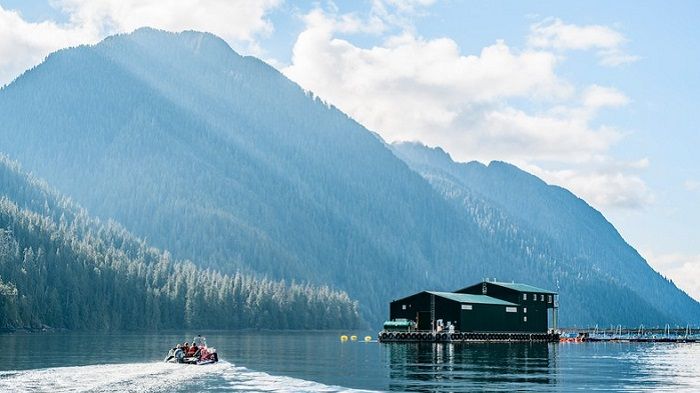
(156, 377)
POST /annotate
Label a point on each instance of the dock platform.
(459, 337)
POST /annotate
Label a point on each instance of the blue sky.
(598, 97)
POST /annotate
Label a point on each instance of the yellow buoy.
(343, 338)
(368, 339)
(353, 338)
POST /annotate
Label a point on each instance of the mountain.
(581, 247)
(63, 269)
(220, 159)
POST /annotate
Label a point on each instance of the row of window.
(534, 297)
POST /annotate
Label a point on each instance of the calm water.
(319, 362)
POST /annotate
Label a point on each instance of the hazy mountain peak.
(197, 41)
(418, 154)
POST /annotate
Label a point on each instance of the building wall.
(481, 317)
(408, 307)
(490, 318)
(536, 304)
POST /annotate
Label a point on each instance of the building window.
(403, 306)
(524, 296)
(511, 309)
(524, 310)
(541, 298)
(524, 319)
(466, 306)
(549, 298)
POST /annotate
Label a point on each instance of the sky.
(598, 96)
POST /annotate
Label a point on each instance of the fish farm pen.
(666, 334)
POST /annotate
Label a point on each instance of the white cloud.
(409, 85)
(555, 34)
(406, 5)
(399, 13)
(604, 184)
(502, 103)
(692, 185)
(683, 269)
(598, 96)
(24, 44)
(233, 20)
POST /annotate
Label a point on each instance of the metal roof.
(476, 299)
(521, 287)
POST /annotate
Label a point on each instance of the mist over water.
(319, 362)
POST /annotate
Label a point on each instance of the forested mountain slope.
(221, 159)
(580, 245)
(62, 269)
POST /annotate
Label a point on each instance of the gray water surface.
(320, 362)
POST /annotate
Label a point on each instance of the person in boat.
(179, 354)
(191, 350)
(197, 351)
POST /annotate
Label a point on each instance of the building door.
(424, 322)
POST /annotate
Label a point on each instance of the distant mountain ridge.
(222, 160)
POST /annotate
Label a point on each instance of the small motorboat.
(202, 354)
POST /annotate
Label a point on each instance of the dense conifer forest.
(60, 268)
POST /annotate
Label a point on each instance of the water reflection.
(479, 366)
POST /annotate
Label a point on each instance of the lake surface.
(319, 362)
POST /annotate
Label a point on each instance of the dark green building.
(489, 306)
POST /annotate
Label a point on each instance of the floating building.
(482, 311)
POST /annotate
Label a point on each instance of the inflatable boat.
(198, 353)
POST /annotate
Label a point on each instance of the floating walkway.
(464, 337)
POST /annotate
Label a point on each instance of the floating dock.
(464, 337)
